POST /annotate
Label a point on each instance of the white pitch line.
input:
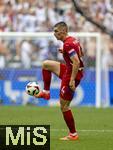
(84, 130)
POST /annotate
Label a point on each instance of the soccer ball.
(32, 88)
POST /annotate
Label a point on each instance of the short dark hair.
(61, 24)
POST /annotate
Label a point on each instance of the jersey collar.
(66, 38)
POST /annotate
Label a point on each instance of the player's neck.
(65, 38)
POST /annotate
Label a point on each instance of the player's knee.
(64, 108)
(45, 64)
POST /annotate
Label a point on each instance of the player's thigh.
(66, 92)
(64, 104)
(52, 66)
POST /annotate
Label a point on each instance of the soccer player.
(70, 74)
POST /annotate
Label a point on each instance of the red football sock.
(47, 79)
(68, 117)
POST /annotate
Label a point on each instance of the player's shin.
(46, 79)
(68, 117)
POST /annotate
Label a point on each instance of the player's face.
(58, 33)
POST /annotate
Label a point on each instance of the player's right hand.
(72, 85)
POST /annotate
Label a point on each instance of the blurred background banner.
(12, 89)
(13, 93)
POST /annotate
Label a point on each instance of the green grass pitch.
(95, 126)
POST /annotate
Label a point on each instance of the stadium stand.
(39, 16)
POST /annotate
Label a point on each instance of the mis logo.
(25, 136)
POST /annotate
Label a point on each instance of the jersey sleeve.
(71, 49)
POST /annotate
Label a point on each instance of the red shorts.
(65, 92)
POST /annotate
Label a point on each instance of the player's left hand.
(72, 85)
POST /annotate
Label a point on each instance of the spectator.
(107, 53)
(52, 49)
(3, 54)
(26, 53)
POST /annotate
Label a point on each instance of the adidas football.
(32, 88)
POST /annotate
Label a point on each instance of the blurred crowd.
(40, 16)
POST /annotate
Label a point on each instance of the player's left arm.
(75, 66)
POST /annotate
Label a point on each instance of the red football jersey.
(71, 47)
